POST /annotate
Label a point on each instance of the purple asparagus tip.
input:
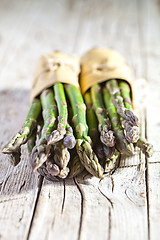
(108, 138)
(69, 141)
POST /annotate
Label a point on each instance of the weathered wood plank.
(58, 211)
(16, 44)
(116, 207)
(154, 198)
(40, 28)
(96, 209)
(18, 186)
(152, 116)
(128, 195)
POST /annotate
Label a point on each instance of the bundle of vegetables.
(66, 135)
(117, 130)
(51, 139)
(113, 126)
(55, 128)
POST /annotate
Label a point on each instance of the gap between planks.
(147, 178)
(39, 187)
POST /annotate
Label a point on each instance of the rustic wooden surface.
(125, 205)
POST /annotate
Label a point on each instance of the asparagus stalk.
(76, 167)
(114, 91)
(69, 140)
(52, 170)
(112, 163)
(49, 113)
(61, 155)
(121, 143)
(126, 95)
(92, 126)
(142, 143)
(106, 134)
(146, 147)
(49, 169)
(109, 156)
(44, 172)
(41, 152)
(22, 136)
(91, 117)
(83, 141)
(63, 131)
(32, 141)
(59, 133)
(131, 132)
(100, 149)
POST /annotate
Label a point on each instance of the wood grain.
(124, 205)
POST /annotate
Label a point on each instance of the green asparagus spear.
(43, 171)
(52, 169)
(112, 163)
(91, 117)
(61, 155)
(121, 143)
(108, 156)
(22, 136)
(59, 133)
(41, 153)
(130, 123)
(93, 126)
(146, 147)
(32, 141)
(100, 149)
(49, 169)
(126, 94)
(131, 132)
(106, 134)
(83, 141)
(69, 140)
(114, 91)
(76, 167)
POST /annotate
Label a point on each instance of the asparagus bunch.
(50, 136)
(68, 135)
(110, 104)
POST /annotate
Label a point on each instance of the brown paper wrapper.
(53, 68)
(99, 65)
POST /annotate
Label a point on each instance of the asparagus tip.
(55, 136)
(69, 141)
(149, 150)
(108, 138)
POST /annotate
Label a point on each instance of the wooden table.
(125, 205)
